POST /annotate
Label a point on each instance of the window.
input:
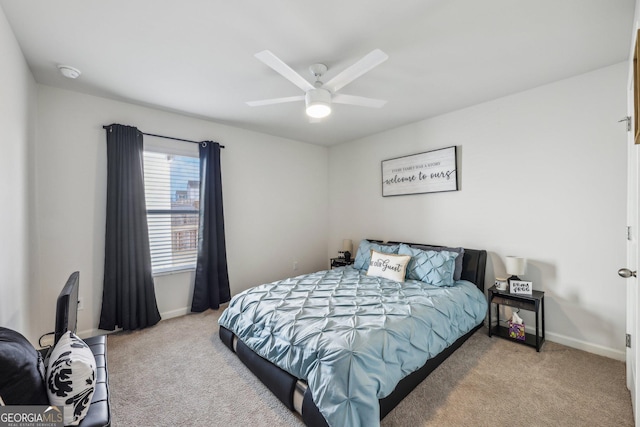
(172, 191)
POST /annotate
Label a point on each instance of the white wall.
(17, 116)
(275, 200)
(542, 175)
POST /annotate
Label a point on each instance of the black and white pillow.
(71, 377)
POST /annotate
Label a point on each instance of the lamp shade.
(347, 245)
(515, 265)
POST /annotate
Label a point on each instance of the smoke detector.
(69, 72)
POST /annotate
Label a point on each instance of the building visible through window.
(172, 190)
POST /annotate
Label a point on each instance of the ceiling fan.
(319, 96)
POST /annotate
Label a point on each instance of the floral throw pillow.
(71, 377)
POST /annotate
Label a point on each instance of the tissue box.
(516, 331)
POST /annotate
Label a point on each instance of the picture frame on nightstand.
(521, 287)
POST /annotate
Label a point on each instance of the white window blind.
(172, 191)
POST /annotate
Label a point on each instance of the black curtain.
(212, 278)
(128, 296)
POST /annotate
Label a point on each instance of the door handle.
(626, 273)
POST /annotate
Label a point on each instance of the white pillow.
(388, 266)
(71, 378)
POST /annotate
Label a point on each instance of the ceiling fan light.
(318, 110)
(318, 103)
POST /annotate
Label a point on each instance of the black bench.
(99, 414)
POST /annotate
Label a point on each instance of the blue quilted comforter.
(352, 337)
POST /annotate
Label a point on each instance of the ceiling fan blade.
(283, 69)
(275, 101)
(366, 64)
(361, 101)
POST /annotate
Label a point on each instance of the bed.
(342, 347)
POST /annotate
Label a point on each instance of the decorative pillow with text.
(388, 266)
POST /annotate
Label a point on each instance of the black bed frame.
(295, 394)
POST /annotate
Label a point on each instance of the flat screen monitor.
(67, 307)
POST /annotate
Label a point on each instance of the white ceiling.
(196, 57)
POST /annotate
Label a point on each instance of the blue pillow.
(433, 267)
(457, 273)
(363, 256)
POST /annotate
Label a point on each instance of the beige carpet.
(178, 373)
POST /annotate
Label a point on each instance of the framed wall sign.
(521, 287)
(431, 172)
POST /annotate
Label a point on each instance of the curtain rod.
(166, 137)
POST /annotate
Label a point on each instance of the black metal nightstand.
(340, 262)
(533, 302)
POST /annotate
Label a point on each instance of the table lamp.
(515, 266)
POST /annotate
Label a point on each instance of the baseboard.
(586, 346)
(164, 316)
(175, 313)
(611, 353)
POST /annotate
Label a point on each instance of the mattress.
(350, 336)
